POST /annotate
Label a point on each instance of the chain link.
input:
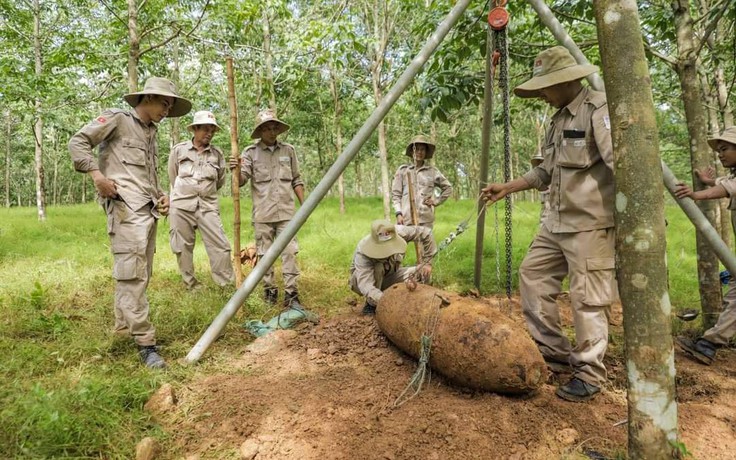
(501, 38)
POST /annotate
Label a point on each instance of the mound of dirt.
(328, 392)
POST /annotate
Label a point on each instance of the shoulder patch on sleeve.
(108, 115)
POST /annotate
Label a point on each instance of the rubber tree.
(380, 16)
(640, 233)
(38, 116)
(689, 47)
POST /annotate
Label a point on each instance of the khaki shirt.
(729, 183)
(273, 177)
(369, 273)
(196, 176)
(578, 166)
(425, 180)
(127, 155)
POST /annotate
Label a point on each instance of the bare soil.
(328, 392)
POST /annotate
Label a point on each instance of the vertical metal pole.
(319, 192)
(235, 184)
(485, 148)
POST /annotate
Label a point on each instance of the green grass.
(69, 389)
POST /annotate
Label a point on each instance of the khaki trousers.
(265, 234)
(183, 225)
(133, 243)
(725, 327)
(588, 259)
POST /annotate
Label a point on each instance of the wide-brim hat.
(161, 87)
(382, 242)
(263, 118)
(552, 67)
(420, 140)
(728, 135)
(203, 117)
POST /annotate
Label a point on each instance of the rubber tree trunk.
(697, 127)
(38, 124)
(174, 122)
(722, 212)
(134, 46)
(337, 126)
(381, 19)
(8, 130)
(641, 265)
(268, 58)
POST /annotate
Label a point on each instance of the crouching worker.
(377, 260)
(703, 349)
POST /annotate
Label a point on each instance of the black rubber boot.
(150, 357)
(368, 309)
(577, 391)
(271, 295)
(701, 350)
(291, 300)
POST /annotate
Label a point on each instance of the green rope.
(423, 373)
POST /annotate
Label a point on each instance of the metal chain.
(496, 233)
(503, 82)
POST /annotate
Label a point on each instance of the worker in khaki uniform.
(196, 172)
(704, 349)
(577, 235)
(273, 171)
(377, 260)
(125, 176)
(425, 180)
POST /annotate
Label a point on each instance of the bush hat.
(264, 117)
(161, 87)
(728, 135)
(419, 139)
(552, 67)
(383, 241)
(203, 117)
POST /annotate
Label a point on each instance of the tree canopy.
(286, 52)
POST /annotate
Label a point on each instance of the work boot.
(577, 391)
(150, 357)
(291, 300)
(271, 295)
(196, 286)
(369, 309)
(701, 350)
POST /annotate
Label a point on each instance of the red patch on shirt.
(101, 119)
